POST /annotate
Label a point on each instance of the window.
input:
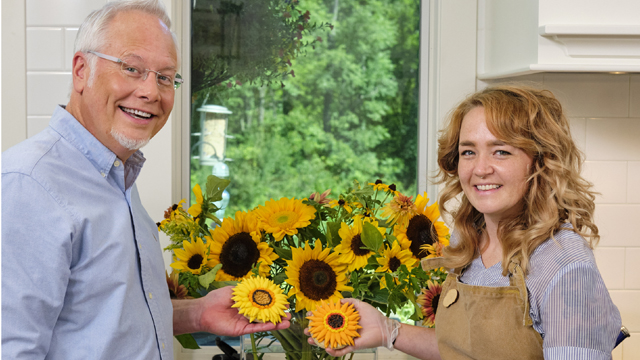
(291, 97)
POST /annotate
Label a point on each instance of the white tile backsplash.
(35, 124)
(611, 263)
(609, 179)
(633, 182)
(45, 49)
(613, 139)
(634, 96)
(46, 90)
(60, 13)
(631, 347)
(69, 40)
(579, 132)
(632, 275)
(619, 225)
(627, 302)
(591, 95)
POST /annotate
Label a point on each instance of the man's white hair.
(93, 31)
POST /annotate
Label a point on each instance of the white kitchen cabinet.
(519, 37)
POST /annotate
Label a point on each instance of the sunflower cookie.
(334, 325)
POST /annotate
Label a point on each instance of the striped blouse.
(569, 303)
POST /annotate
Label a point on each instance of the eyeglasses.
(135, 69)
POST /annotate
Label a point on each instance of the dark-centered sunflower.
(284, 217)
(429, 301)
(237, 245)
(258, 298)
(334, 325)
(315, 275)
(391, 259)
(423, 230)
(352, 251)
(193, 258)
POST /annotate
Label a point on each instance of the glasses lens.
(165, 81)
(178, 81)
(133, 68)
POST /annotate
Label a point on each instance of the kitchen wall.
(604, 110)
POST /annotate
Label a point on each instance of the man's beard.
(131, 144)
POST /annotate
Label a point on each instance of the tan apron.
(485, 322)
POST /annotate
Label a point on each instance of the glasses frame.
(177, 81)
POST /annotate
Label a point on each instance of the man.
(82, 270)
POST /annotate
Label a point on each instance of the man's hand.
(213, 313)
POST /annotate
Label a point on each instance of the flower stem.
(253, 346)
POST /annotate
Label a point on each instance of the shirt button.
(103, 174)
(163, 346)
(150, 296)
(116, 163)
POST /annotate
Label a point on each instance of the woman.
(524, 283)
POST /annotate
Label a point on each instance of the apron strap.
(516, 278)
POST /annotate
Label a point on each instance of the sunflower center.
(335, 321)
(421, 232)
(317, 280)
(262, 297)
(195, 261)
(357, 246)
(284, 219)
(394, 264)
(434, 303)
(238, 254)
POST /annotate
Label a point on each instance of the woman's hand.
(377, 329)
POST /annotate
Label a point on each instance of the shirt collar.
(99, 155)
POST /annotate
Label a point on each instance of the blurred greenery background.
(321, 92)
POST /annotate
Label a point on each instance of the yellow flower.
(284, 217)
(352, 251)
(315, 275)
(334, 325)
(399, 210)
(391, 260)
(237, 245)
(423, 230)
(193, 258)
(380, 186)
(196, 209)
(342, 203)
(173, 214)
(257, 298)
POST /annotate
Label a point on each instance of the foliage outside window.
(318, 93)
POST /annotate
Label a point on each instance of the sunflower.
(391, 260)
(422, 229)
(258, 298)
(352, 251)
(176, 291)
(196, 209)
(399, 210)
(237, 245)
(284, 217)
(380, 186)
(315, 275)
(429, 302)
(173, 214)
(334, 325)
(341, 203)
(193, 258)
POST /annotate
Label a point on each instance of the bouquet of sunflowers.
(366, 243)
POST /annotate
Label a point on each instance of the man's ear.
(80, 71)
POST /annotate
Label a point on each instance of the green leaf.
(371, 237)
(221, 284)
(379, 296)
(215, 187)
(333, 237)
(285, 254)
(280, 278)
(187, 341)
(206, 279)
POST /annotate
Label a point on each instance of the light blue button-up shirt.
(82, 269)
